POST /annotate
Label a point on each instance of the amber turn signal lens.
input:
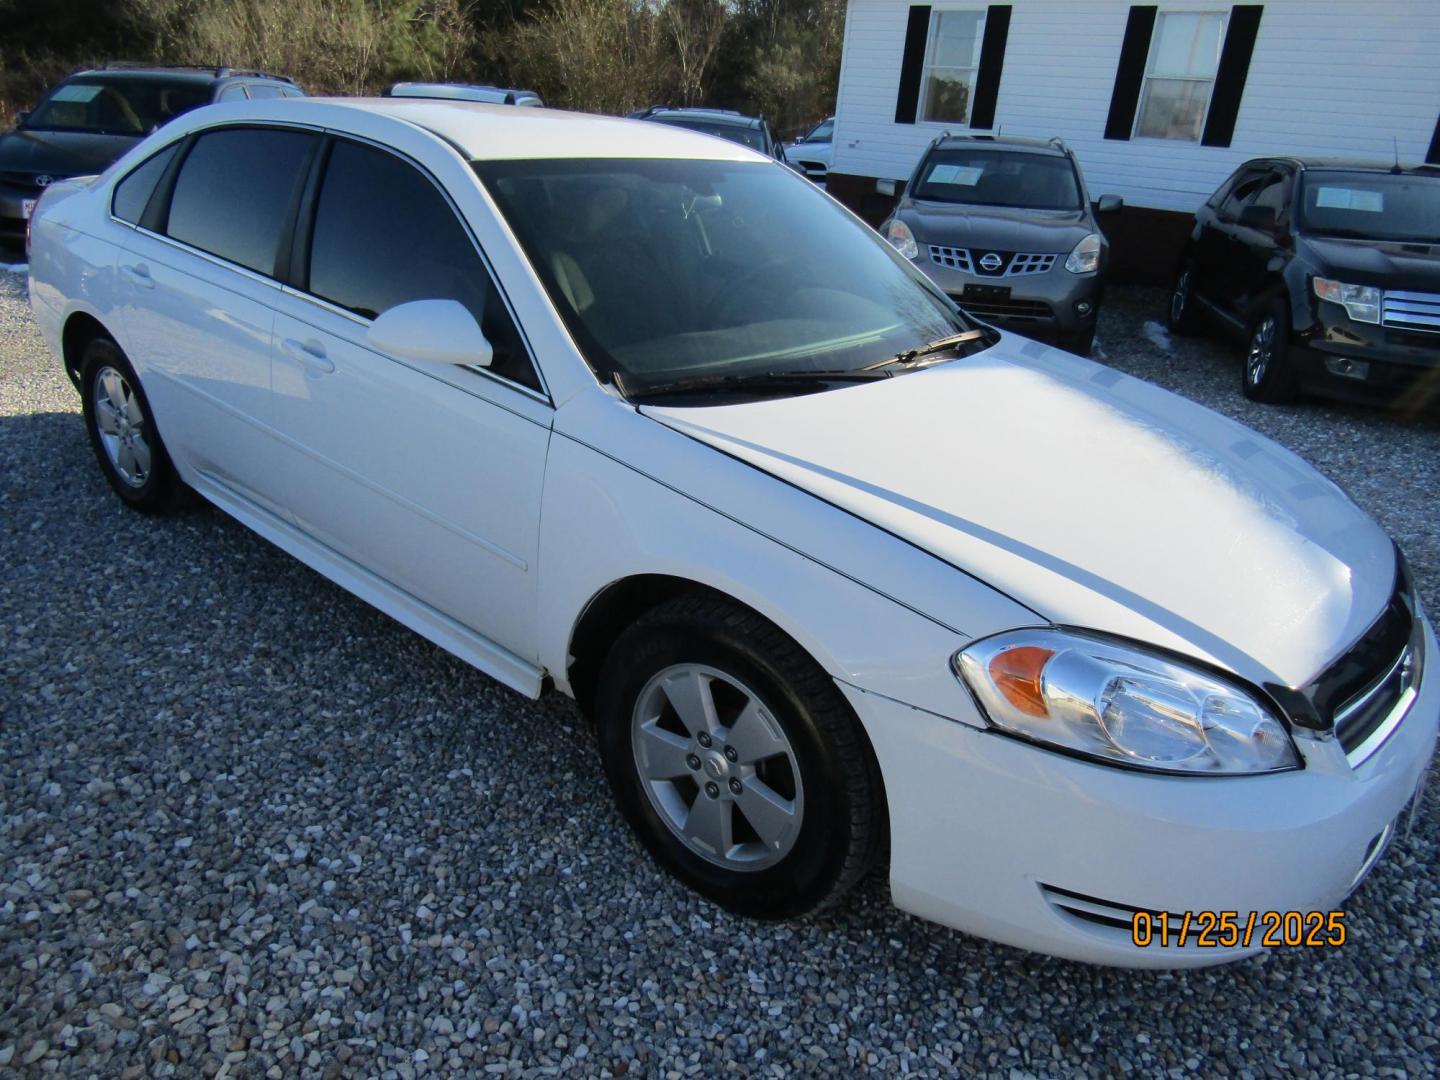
(1016, 674)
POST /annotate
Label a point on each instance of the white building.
(1160, 102)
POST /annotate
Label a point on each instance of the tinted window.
(1273, 193)
(261, 91)
(133, 193)
(384, 235)
(235, 191)
(233, 92)
(1244, 190)
(745, 136)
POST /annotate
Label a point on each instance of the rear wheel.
(122, 429)
(1183, 318)
(1269, 376)
(736, 760)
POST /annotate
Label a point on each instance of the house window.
(1180, 74)
(952, 60)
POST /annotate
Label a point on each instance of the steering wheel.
(738, 293)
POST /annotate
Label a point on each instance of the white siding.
(1328, 78)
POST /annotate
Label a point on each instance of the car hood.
(61, 153)
(997, 227)
(1373, 262)
(1092, 498)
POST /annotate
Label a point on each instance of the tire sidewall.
(1278, 384)
(159, 486)
(805, 876)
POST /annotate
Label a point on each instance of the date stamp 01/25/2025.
(1232, 930)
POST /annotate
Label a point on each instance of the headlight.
(1122, 705)
(902, 239)
(1362, 302)
(1085, 259)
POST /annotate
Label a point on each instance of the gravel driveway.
(248, 826)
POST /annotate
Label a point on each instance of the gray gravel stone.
(250, 826)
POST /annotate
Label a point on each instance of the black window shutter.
(1432, 157)
(916, 33)
(1130, 73)
(992, 59)
(1230, 77)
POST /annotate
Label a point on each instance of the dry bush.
(610, 56)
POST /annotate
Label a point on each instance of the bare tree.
(695, 28)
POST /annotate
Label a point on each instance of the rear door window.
(132, 194)
(227, 204)
(384, 235)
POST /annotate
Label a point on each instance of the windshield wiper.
(943, 344)
(758, 380)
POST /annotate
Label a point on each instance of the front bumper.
(1339, 358)
(1049, 306)
(13, 201)
(996, 838)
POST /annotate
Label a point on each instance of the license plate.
(1412, 812)
(27, 207)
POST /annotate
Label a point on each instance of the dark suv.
(1004, 225)
(751, 131)
(91, 118)
(1330, 271)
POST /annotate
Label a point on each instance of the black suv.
(751, 131)
(1004, 225)
(91, 118)
(1330, 271)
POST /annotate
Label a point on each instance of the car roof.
(1012, 143)
(1347, 165)
(485, 132)
(457, 91)
(177, 74)
(713, 116)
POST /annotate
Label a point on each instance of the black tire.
(842, 827)
(1182, 315)
(156, 487)
(1267, 373)
(1081, 342)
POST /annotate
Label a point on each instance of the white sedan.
(844, 578)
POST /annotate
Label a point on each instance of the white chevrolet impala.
(845, 578)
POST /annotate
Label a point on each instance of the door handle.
(309, 353)
(138, 275)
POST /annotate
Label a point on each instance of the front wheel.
(736, 760)
(122, 429)
(1182, 317)
(1269, 374)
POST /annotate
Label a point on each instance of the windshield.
(1371, 206)
(821, 132)
(999, 178)
(675, 269)
(745, 136)
(116, 106)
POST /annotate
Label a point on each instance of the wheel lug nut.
(731, 754)
(693, 761)
(734, 786)
(704, 739)
(712, 789)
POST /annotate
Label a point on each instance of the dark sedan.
(1329, 271)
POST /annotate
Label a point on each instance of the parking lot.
(250, 826)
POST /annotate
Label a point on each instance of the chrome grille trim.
(1382, 686)
(1020, 263)
(1411, 311)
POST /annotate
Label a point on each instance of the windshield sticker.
(1339, 198)
(76, 92)
(961, 175)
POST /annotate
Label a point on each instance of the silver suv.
(1005, 227)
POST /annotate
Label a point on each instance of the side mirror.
(1258, 217)
(432, 332)
(1109, 204)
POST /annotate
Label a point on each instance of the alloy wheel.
(717, 767)
(1180, 297)
(124, 432)
(1262, 350)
